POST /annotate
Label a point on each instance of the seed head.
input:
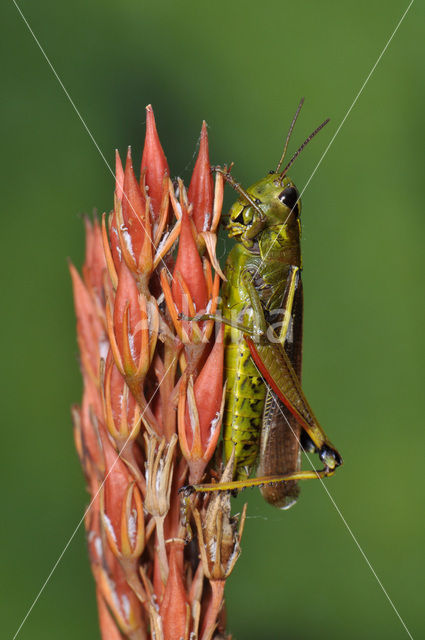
(152, 403)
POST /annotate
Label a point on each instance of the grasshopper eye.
(289, 197)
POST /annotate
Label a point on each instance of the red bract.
(134, 229)
(153, 401)
(129, 320)
(189, 287)
(91, 415)
(174, 609)
(94, 265)
(121, 411)
(201, 189)
(120, 598)
(90, 331)
(122, 508)
(108, 628)
(154, 167)
(200, 413)
(119, 176)
(208, 390)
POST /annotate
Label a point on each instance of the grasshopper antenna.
(288, 137)
(237, 187)
(304, 144)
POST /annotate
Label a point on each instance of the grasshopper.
(267, 418)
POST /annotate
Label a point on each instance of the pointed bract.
(95, 264)
(108, 628)
(127, 310)
(120, 598)
(200, 413)
(90, 331)
(91, 416)
(133, 211)
(208, 390)
(119, 176)
(117, 481)
(174, 606)
(154, 163)
(201, 189)
(121, 506)
(122, 414)
(113, 232)
(188, 271)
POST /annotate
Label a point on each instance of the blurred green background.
(243, 66)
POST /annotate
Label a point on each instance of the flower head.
(153, 399)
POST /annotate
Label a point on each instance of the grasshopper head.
(273, 201)
(270, 202)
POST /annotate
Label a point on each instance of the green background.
(241, 65)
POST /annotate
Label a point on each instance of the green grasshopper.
(267, 419)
